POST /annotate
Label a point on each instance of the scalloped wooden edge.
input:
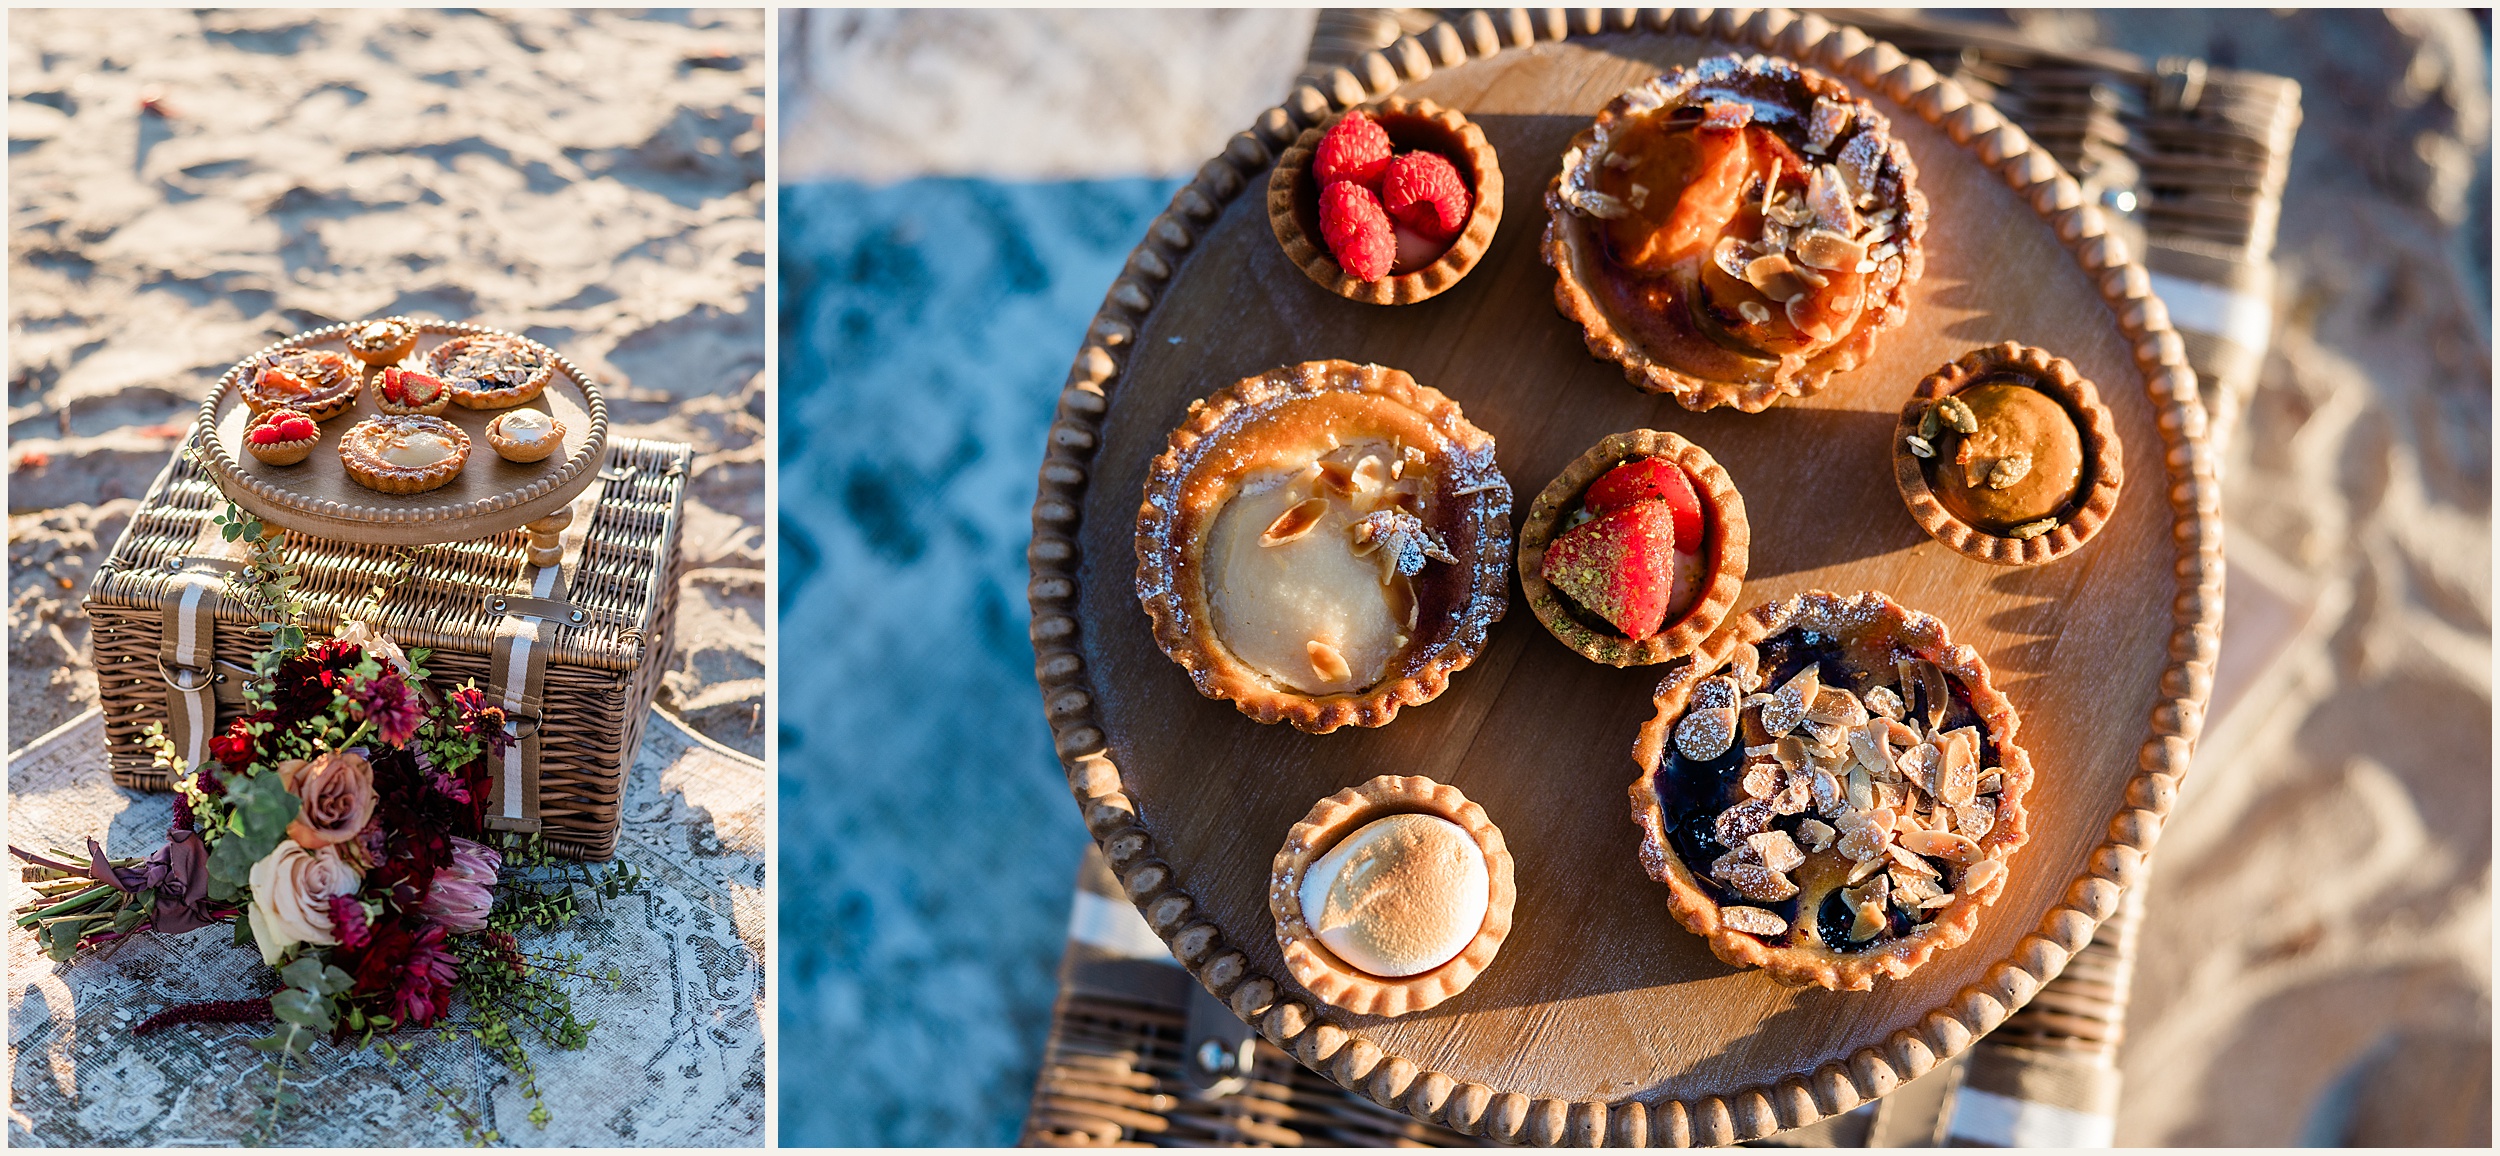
(1330, 820)
(230, 477)
(1753, 1112)
(1691, 903)
(1484, 168)
(1727, 566)
(2059, 379)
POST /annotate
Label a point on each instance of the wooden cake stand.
(489, 496)
(1603, 1020)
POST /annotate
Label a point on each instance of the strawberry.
(1355, 149)
(1619, 565)
(1423, 191)
(407, 387)
(1646, 479)
(1357, 229)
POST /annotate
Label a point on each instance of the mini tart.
(279, 453)
(377, 453)
(382, 341)
(1293, 201)
(318, 383)
(1811, 682)
(1728, 539)
(1763, 290)
(1346, 525)
(2040, 517)
(517, 445)
(1333, 981)
(382, 379)
(490, 370)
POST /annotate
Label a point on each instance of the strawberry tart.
(1637, 551)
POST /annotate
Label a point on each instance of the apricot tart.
(525, 435)
(407, 454)
(318, 383)
(491, 370)
(1735, 232)
(406, 391)
(281, 437)
(1324, 543)
(1830, 790)
(1391, 897)
(382, 342)
(1635, 553)
(2008, 456)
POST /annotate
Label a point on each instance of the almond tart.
(318, 383)
(1830, 790)
(383, 341)
(405, 454)
(1735, 232)
(406, 391)
(1423, 267)
(1324, 543)
(524, 435)
(492, 370)
(1637, 552)
(1391, 897)
(2008, 456)
(281, 437)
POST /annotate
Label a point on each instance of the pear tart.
(491, 370)
(1830, 790)
(405, 454)
(318, 383)
(1637, 551)
(1735, 232)
(1324, 543)
(382, 342)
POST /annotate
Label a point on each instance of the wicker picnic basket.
(604, 639)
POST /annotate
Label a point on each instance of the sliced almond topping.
(1867, 866)
(1824, 249)
(1329, 665)
(1640, 195)
(1760, 781)
(1834, 705)
(1830, 200)
(1941, 900)
(1793, 796)
(1336, 478)
(1703, 735)
(1866, 902)
(1763, 751)
(1825, 124)
(1789, 707)
(1861, 790)
(1867, 743)
(1754, 311)
(1744, 873)
(1778, 851)
(1729, 255)
(1991, 781)
(1791, 752)
(1957, 777)
(1828, 794)
(1753, 921)
(1294, 523)
(1951, 848)
(1981, 874)
(1974, 821)
(1901, 734)
(1371, 474)
(1816, 834)
(1741, 820)
(1866, 837)
(1906, 861)
(1775, 277)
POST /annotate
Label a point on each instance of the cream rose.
(337, 790)
(378, 645)
(291, 891)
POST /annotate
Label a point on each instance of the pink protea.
(463, 893)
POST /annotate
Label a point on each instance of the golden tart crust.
(1730, 542)
(1746, 691)
(279, 453)
(362, 448)
(382, 341)
(1650, 322)
(334, 380)
(1370, 441)
(2081, 516)
(1331, 980)
(382, 397)
(492, 371)
(1293, 201)
(513, 449)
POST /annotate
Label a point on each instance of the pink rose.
(337, 790)
(291, 893)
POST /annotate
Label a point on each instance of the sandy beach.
(2317, 966)
(186, 187)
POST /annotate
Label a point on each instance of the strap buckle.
(512, 725)
(187, 679)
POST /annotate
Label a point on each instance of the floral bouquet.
(339, 830)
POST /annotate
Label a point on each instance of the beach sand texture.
(593, 180)
(2317, 959)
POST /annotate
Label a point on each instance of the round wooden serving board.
(488, 496)
(1602, 1019)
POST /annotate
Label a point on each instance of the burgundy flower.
(479, 720)
(347, 918)
(423, 993)
(394, 710)
(463, 893)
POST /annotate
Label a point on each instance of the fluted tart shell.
(2096, 496)
(344, 380)
(1293, 201)
(1265, 422)
(514, 450)
(359, 452)
(398, 339)
(1730, 540)
(1874, 631)
(279, 453)
(1331, 980)
(468, 390)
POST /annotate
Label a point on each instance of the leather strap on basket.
(187, 660)
(517, 682)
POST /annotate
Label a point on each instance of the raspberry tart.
(1830, 790)
(1391, 897)
(404, 454)
(1735, 232)
(1637, 552)
(382, 342)
(1389, 203)
(2008, 456)
(318, 383)
(281, 437)
(524, 435)
(1324, 543)
(493, 370)
(406, 391)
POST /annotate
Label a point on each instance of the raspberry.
(1423, 190)
(1356, 149)
(1358, 230)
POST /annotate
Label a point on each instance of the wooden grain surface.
(453, 512)
(1599, 994)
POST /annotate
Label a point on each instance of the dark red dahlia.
(391, 706)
